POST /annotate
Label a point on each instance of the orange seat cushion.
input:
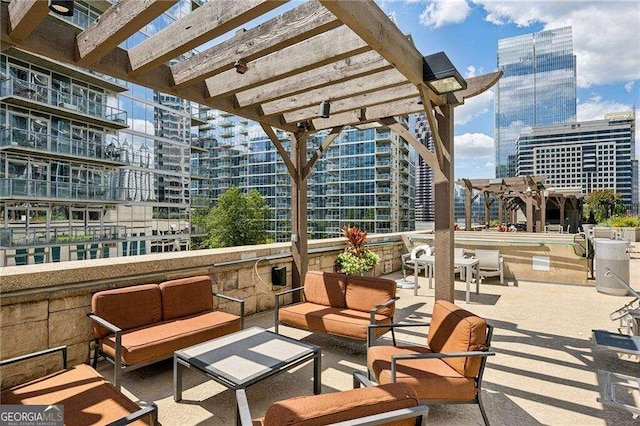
(161, 340)
(126, 308)
(186, 296)
(325, 288)
(87, 397)
(365, 293)
(339, 321)
(320, 410)
(454, 329)
(432, 379)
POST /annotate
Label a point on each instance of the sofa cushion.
(88, 398)
(162, 339)
(453, 329)
(339, 321)
(127, 308)
(319, 410)
(325, 288)
(432, 379)
(186, 296)
(365, 293)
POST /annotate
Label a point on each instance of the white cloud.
(438, 13)
(473, 145)
(471, 72)
(473, 107)
(605, 34)
(595, 108)
(629, 86)
(474, 156)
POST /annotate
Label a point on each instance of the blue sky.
(606, 42)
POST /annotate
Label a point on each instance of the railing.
(33, 236)
(59, 144)
(17, 187)
(36, 92)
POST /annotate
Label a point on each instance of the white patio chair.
(491, 264)
(459, 253)
(409, 258)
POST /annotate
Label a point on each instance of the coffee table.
(243, 358)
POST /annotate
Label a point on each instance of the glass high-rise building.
(538, 87)
(425, 202)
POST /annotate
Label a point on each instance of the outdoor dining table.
(470, 265)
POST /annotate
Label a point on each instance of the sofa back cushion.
(455, 330)
(325, 288)
(127, 308)
(336, 407)
(365, 293)
(186, 296)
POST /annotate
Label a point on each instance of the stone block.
(21, 339)
(24, 312)
(78, 354)
(71, 302)
(226, 281)
(22, 372)
(265, 302)
(70, 327)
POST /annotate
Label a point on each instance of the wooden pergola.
(347, 52)
(527, 193)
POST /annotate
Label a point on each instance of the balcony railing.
(80, 104)
(17, 187)
(33, 236)
(45, 142)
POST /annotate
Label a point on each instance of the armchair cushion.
(365, 293)
(127, 308)
(432, 379)
(454, 329)
(325, 288)
(88, 398)
(319, 410)
(186, 296)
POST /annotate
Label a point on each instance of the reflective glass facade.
(538, 87)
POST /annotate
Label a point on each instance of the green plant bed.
(356, 259)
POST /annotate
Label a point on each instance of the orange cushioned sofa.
(338, 304)
(136, 326)
(79, 393)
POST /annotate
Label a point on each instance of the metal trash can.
(614, 255)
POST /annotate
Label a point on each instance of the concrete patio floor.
(545, 370)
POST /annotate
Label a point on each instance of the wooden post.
(444, 234)
(529, 202)
(299, 212)
(543, 212)
(487, 210)
(467, 206)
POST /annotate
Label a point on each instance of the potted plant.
(356, 258)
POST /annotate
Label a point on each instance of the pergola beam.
(291, 168)
(355, 66)
(333, 134)
(293, 26)
(355, 102)
(25, 16)
(343, 90)
(315, 52)
(207, 22)
(115, 25)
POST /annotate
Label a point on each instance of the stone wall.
(45, 305)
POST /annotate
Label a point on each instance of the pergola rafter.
(346, 52)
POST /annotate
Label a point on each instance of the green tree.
(603, 203)
(237, 219)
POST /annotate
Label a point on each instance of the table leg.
(415, 278)
(317, 373)
(468, 281)
(428, 269)
(477, 268)
(177, 379)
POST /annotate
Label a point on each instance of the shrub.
(356, 258)
(625, 222)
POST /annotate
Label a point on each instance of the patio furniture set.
(139, 325)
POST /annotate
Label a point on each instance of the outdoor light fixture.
(61, 7)
(302, 125)
(241, 66)
(325, 108)
(440, 74)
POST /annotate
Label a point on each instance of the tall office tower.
(90, 167)
(538, 88)
(425, 208)
(364, 178)
(590, 155)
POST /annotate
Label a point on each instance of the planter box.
(628, 234)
